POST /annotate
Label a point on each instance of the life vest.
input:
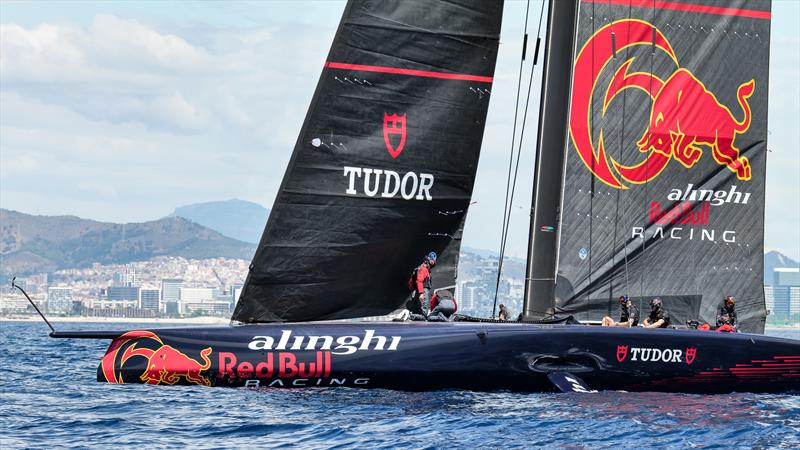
(412, 280)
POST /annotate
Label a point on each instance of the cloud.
(123, 120)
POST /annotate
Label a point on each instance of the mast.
(540, 273)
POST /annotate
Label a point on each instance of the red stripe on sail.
(704, 9)
(409, 72)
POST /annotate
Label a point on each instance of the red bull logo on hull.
(165, 363)
(686, 119)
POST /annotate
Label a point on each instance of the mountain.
(237, 219)
(30, 244)
(775, 259)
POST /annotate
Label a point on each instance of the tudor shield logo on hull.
(622, 352)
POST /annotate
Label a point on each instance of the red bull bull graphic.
(165, 363)
(684, 118)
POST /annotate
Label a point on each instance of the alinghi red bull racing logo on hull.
(684, 115)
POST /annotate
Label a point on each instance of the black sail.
(666, 159)
(383, 169)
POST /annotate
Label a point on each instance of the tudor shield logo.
(690, 354)
(394, 133)
(622, 352)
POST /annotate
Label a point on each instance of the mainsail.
(666, 152)
(383, 169)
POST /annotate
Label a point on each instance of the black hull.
(472, 356)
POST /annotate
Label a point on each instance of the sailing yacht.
(649, 182)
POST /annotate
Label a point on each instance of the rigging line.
(646, 164)
(516, 169)
(506, 208)
(621, 151)
(592, 177)
(616, 206)
(621, 147)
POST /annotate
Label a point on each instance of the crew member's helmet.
(623, 299)
(730, 301)
(655, 303)
(431, 258)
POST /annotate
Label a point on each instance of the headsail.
(666, 154)
(383, 169)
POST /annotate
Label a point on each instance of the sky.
(121, 111)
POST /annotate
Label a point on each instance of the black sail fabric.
(383, 169)
(666, 159)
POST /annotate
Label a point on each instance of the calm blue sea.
(49, 398)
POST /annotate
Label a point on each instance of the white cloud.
(127, 43)
(119, 120)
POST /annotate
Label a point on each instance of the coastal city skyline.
(175, 287)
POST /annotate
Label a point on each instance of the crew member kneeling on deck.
(421, 284)
(443, 306)
(726, 317)
(659, 317)
(628, 314)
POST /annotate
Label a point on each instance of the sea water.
(49, 398)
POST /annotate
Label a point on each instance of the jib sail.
(666, 153)
(383, 169)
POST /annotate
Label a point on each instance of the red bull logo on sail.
(686, 119)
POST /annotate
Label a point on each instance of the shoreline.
(80, 319)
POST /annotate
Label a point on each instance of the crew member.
(503, 314)
(443, 306)
(421, 283)
(726, 317)
(628, 314)
(659, 317)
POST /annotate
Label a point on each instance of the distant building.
(203, 300)
(786, 291)
(236, 291)
(118, 297)
(467, 294)
(10, 304)
(127, 278)
(59, 300)
(769, 299)
(170, 295)
(150, 298)
(786, 276)
(123, 293)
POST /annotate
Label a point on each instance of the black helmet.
(655, 303)
(730, 301)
